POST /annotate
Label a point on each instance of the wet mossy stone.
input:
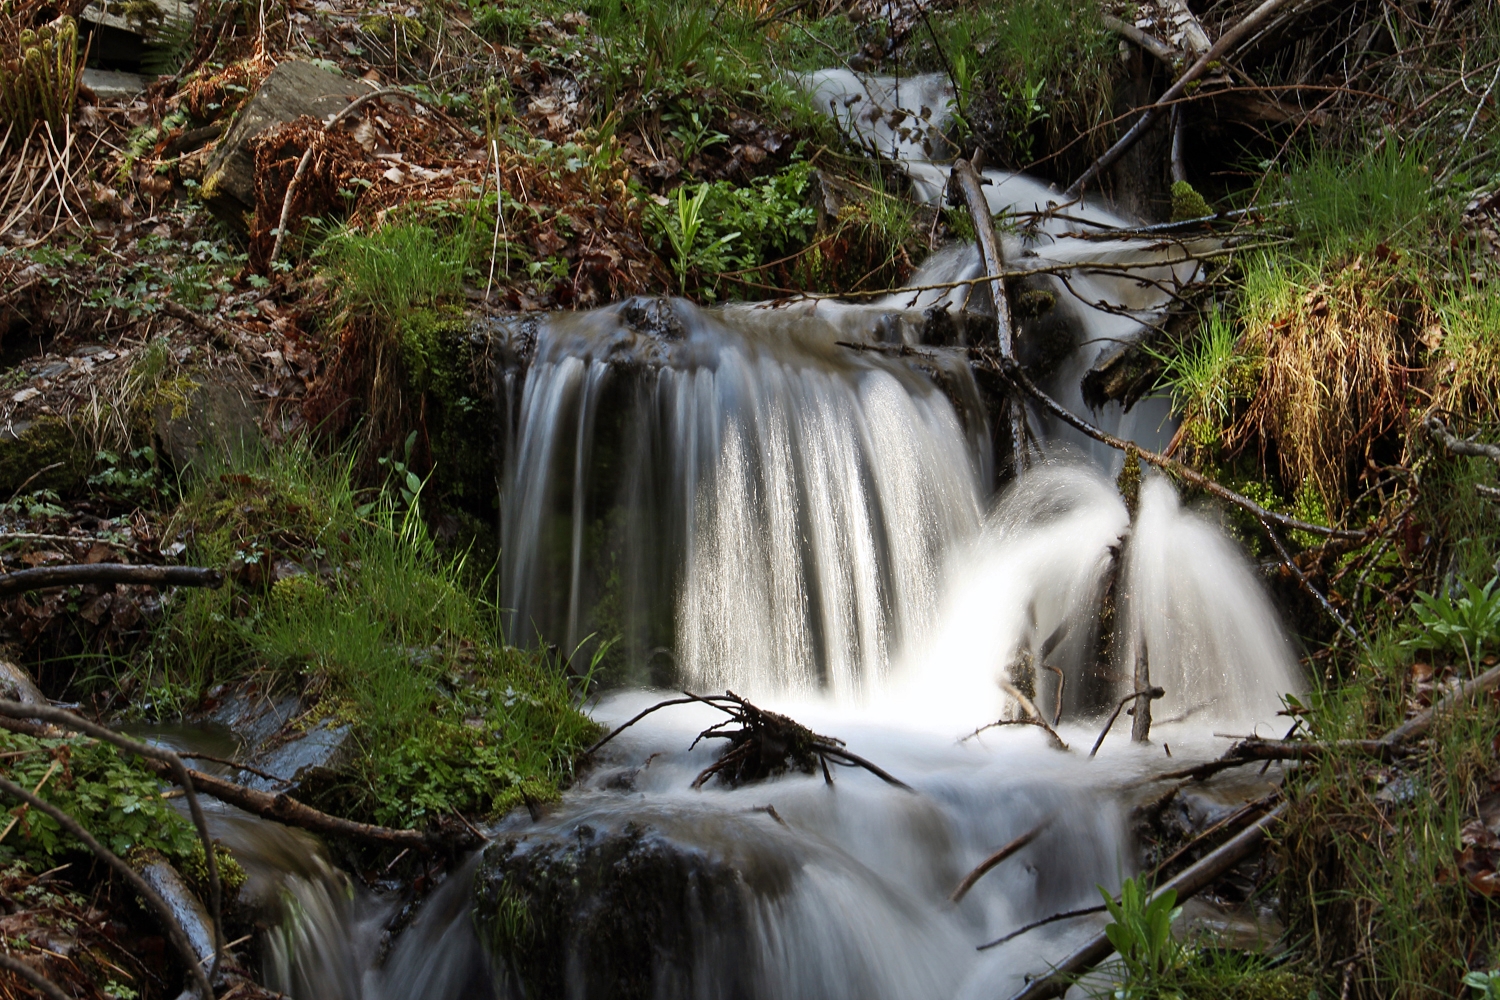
(626, 909)
(46, 449)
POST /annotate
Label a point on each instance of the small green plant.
(1486, 983)
(1461, 626)
(112, 796)
(131, 478)
(403, 486)
(691, 250)
(693, 134)
(1141, 931)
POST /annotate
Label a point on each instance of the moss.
(47, 449)
(1187, 203)
(447, 372)
(342, 595)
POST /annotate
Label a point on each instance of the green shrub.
(111, 795)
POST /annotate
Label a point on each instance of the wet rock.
(110, 85)
(634, 909)
(293, 89)
(654, 317)
(16, 685)
(215, 416)
(159, 874)
(274, 739)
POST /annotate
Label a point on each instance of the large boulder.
(292, 90)
(631, 908)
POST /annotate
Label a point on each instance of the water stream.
(752, 506)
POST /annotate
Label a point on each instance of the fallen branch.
(35, 978)
(985, 866)
(1164, 53)
(1211, 866)
(285, 809)
(1150, 694)
(1197, 877)
(108, 573)
(993, 258)
(1420, 723)
(1205, 62)
(1438, 431)
(1013, 372)
(164, 912)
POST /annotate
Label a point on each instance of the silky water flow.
(751, 506)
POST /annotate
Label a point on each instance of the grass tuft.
(341, 596)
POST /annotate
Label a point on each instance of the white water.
(754, 507)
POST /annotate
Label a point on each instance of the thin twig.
(989, 863)
(1013, 372)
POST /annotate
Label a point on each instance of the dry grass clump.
(1335, 355)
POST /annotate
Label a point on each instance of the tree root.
(765, 744)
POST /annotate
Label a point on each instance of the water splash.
(1211, 637)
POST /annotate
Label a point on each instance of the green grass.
(1205, 376)
(381, 632)
(1370, 874)
(1044, 67)
(1340, 204)
(404, 265)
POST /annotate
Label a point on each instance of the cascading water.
(752, 505)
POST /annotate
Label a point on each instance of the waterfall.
(771, 507)
(766, 498)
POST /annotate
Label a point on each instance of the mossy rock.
(628, 911)
(443, 365)
(47, 449)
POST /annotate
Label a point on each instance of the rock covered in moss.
(632, 908)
